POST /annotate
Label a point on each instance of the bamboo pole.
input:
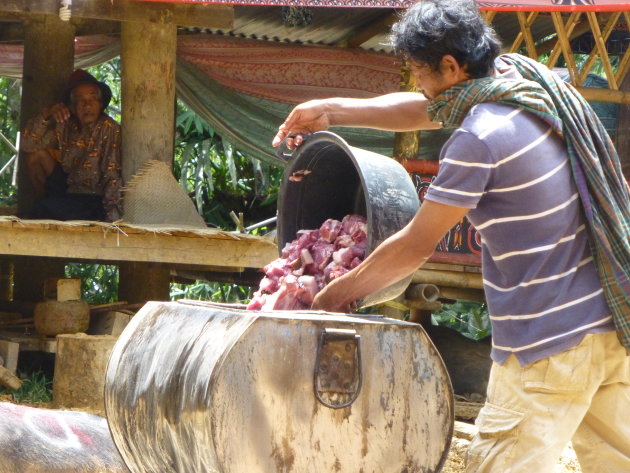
(624, 64)
(462, 294)
(565, 46)
(422, 292)
(608, 28)
(572, 27)
(448, 278)
(489, 16)
(600, 43)
(604, 95)
(525, 24)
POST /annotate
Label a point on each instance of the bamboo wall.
(566, 27)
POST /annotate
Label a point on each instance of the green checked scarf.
(594, 162)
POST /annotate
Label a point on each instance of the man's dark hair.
(431, 29)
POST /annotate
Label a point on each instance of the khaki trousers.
(532, 412)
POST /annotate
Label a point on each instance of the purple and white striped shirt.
(541, 285)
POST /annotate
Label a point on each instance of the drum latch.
(337, 380)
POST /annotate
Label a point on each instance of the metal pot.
(327, 178)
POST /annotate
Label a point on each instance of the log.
(55, 317)
(9, 380)
(80, 365)
(9, 352)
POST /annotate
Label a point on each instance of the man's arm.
(397, 257)
(400, 111)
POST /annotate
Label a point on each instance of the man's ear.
(452, 68)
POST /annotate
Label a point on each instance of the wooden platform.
(31, 341)
(104, 242)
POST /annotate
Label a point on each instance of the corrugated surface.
(329, 26)
(333, 26)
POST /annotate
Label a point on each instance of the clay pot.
(55, 317)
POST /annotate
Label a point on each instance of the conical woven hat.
(154, 197)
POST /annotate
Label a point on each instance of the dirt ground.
(455, 461)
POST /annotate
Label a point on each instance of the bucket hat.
(80, 77)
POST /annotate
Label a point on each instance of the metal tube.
(261, 224)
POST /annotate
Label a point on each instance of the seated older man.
(73, 155)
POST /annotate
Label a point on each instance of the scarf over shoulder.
(595, 165)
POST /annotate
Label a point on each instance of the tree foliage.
(9, 124)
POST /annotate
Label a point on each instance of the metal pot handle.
(284, 153)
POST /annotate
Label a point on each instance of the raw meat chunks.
(309, 262)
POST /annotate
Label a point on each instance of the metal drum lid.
(195, 387)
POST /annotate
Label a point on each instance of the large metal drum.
(327, 178)
(195, 387)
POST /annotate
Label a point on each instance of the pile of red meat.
(311, 261)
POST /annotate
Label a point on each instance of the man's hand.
(306, 118)
(327, 300)
(59, 112)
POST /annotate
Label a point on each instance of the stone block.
(62, 289)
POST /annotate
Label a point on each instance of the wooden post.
(48, 62)
(407, 143)
(148, 94)
(141, 282)
(148, 130)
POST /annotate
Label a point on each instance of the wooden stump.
(55, 317)
(80, 365)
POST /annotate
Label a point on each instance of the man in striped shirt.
(559, 371)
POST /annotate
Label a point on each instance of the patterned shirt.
(90, 156)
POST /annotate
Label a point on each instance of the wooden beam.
(110, 244)
(181, 14)
(141, 282)
(15, 31)
(593, 94)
